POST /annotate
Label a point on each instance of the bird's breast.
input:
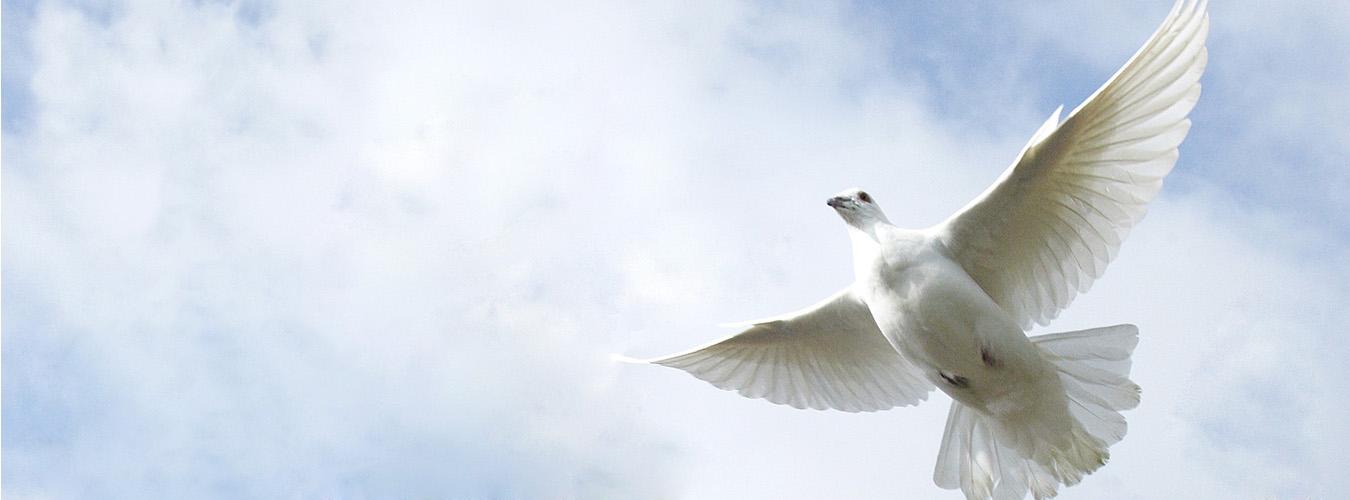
(934, 314)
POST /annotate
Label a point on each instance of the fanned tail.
(986, 458)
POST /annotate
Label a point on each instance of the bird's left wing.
(830, 355)
(1046, 230)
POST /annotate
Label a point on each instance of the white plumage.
(947, 306)
(830, 355)
(1046, 230)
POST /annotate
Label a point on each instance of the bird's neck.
(881, 240)
(866, 246)
(866, 230)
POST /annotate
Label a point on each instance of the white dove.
(947, 306)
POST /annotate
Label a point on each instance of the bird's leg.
(987, 356)
(955, 380)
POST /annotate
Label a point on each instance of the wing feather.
(1048, 228)
(831, 355)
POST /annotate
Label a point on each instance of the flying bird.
(948, 306)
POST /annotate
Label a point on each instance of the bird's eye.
(864, 197)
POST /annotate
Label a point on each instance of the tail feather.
(1094, 366)
(969, 458)
(954, 449)
(973, 459)
(987, 459)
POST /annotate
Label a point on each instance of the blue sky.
(339, 250)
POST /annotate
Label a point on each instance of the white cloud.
(283, 250)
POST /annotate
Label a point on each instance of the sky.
(356, 250)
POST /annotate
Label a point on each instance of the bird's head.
(857, 208)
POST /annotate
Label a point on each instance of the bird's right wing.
(830, 355)
(1047, 229)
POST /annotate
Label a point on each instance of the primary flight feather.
(947, 306)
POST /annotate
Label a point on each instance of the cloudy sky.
(360, 249)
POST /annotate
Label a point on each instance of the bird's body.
(947, 306)
(935, 315)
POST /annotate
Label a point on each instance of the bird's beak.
(837, 202)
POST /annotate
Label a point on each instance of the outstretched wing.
(1047, 229)
(830, 355)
